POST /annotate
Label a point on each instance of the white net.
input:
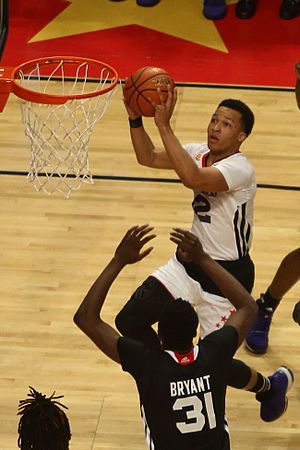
(59, 135)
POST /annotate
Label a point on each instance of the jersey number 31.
(195, 414)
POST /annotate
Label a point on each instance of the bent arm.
(207, 179)
(87, 318)
(232, 289)
(146, 153)
(190, 249)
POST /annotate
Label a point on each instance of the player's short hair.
(178, 324)
(247, 116)
(43, 424)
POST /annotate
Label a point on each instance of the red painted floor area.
(262, 51)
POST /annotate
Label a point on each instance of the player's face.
(225, 133)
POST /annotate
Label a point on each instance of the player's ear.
(242, 136)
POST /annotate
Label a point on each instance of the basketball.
(143, 84)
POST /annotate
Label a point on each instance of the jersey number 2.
(195, 413)
(201, 206)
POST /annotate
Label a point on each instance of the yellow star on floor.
(180, 18)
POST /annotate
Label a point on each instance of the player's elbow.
(143, 161)
(78, 319)
(190, 182)
(82, 320)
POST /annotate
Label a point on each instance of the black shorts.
(242, 269)
(147, 301)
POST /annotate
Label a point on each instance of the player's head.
(247, 116)
(177, 325)
(43, 424)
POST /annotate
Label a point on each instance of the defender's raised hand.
(129, 249)
(189, 247)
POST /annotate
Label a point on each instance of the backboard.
(3, 24)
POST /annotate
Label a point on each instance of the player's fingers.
(141, 230)
(152, 102)
(185, 233)
(174, 97)
(147, 239)
(160, 96)
(145, 253)
(175, 240)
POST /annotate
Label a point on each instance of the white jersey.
(223, 221)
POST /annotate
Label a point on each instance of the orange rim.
(39, 97)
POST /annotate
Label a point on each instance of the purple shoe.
(214, 9)
(257, 339)
(274, 402)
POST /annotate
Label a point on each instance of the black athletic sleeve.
(224, 342)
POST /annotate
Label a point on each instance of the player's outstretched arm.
(190, 249)
(88, 316)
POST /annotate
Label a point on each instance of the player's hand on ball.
(131, 113)
(129, 251)
(189, 247)
(164, 109)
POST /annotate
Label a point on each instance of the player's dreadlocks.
(43, 425)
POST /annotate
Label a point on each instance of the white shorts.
(212, 310)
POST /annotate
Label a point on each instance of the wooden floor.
(52, 249)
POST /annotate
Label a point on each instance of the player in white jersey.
(224, 186)
(182, 386)
(227, 214)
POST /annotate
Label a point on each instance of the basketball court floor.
(53, 248)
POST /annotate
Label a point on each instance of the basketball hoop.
(61, 99)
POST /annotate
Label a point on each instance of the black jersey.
(182, 397)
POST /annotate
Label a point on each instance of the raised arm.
(88, 316)
(193, 177)
(146, 153)
(190, 249)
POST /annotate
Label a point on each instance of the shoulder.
(134, 355)
(126, 344)
(237, 160)
(238, 171)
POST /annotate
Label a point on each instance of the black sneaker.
(245, 9)
(289, 9)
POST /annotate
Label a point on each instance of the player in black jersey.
(182, 386)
